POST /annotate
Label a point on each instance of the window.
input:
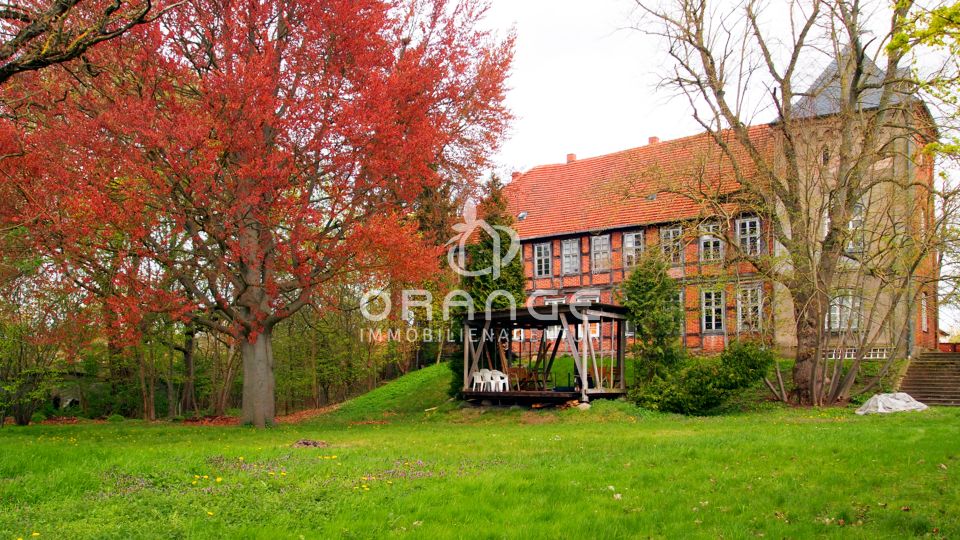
(541, 260)
(748, 235)
(631, 329)
(553, 332)
(877, 353)
(632, 248)
(924, 321)
(600, 252)
(570, 250)
(586, 298)
(672, 244)
(712, 311)
(711, 247)
(855, 229)
(749, 307)
(844, 312)
(518, 334)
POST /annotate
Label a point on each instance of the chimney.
(571, 158)
(653, 140)
(514, 175)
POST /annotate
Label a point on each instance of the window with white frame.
(541, 260)
(632, 248)
(749, 307)
(631, 328)
(712, 310)
(600, 253)
(924, 320)
(553, 331)
(672, 244)
(711, 246)
(844, 312)
(855, 229)
(748, 235)
(570, 250)
(587, 298)
(877, 353)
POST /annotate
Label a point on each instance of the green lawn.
(611, 472)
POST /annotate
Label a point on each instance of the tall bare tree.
(835, 164)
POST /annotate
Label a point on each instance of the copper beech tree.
(241, 160)
(38, 33)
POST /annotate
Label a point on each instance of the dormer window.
(522, 216)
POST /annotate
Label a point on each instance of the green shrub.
(115, 418)
(37, 418)
(701, 384)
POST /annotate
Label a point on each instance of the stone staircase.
(933, 378)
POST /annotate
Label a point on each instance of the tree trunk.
(171, 388)
(146, 397)
(188, 401)
(258, 382)
(808, 310)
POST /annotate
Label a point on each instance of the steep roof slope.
(633, 187)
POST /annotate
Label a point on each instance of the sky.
(584, 83)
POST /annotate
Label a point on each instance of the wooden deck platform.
(539, 396)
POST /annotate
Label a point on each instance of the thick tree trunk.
(188, 401)
(805, 364)
(808, 309)
(258, 382)
(171, 389)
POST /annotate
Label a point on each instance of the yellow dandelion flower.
(283, 473)
(271, 473)
(206, 477)
(219, 479)
(196, 477)
(209, 513)
(34, 534)
(240, 458)
(194, 482)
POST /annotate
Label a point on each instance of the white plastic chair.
(499, 381)
(486, 379)
(477, 381)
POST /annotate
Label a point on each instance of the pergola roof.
(548, 315)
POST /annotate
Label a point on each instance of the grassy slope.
(463, 473)
(410, 394)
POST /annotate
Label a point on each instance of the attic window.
(652, 196)
(522, 216)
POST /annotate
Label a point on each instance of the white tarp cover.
(888, 403)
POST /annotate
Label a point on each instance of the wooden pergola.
(599, 372)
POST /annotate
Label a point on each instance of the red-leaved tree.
(239, 160)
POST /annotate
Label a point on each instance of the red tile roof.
(616, 190)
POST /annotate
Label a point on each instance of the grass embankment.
(611, 472)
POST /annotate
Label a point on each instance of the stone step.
(922, 397)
